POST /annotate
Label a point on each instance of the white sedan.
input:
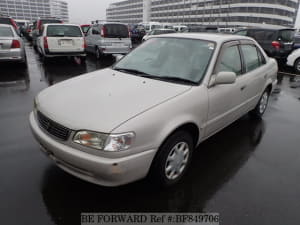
(293, 60)
(148, 113)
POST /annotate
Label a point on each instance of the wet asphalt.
(249, 172)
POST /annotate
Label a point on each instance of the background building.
(32, 9)
(208, 12)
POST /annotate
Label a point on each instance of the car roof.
(6, 25)
(261, 28)
(61, 24)
(216, 37)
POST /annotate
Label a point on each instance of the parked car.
(137, 32)
(11, 46)
(85, 28)
(277, 43)
(108, 38)
(180, 28)
(9, 21)
(293, 60)
(296, 42)
(201, 29)
(28, 32)
(146, 114)
(151, 26)
(158, 32)
(60, 40)
(37, 28)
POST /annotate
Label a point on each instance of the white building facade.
(33, 9)
(276, 13)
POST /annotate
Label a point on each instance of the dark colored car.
(277, 43)
(9, 21)
(37, 27)
(137, 32)
(201, 29)
(85, 28)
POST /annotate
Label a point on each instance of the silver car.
(108, 38)
(147, 114)
(11, 46)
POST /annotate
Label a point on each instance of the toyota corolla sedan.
(12, 48)
(144, 116)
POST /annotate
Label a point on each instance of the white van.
(56, 40)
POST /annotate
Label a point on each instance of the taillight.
(129, 33)
(15, 44)
(39, 25)
(276, 44)
(28, 31)
(46, 46)
(103, 31)
(84, 44)
(14, 24)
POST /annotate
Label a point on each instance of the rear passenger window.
(230, 61)
(252, 60)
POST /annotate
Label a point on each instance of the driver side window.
(230, 61)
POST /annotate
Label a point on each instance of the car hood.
(102, 100)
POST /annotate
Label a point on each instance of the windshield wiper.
(178, 79)
(132, 71)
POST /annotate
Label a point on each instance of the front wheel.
(262, 104)
(173, 159)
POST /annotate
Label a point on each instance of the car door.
(225, 101)
(254, 75)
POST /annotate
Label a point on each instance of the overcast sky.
(84, 11)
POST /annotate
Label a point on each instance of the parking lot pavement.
(249, 172)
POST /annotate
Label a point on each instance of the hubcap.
(177, 160)
(263, 103)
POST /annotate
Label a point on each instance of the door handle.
(243, 87)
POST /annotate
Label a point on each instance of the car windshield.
(63, 31)
(6, 32)
(85, 28)
(169, 59)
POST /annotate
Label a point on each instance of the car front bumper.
(93, 168)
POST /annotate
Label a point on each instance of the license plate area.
(65, 43)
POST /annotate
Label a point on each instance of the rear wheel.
(98, 53)
(262, 104)
(173, 159)
(297, 66)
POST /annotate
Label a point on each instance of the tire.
(166, 171)
(262, 104)
(297, 66)
(98, 53)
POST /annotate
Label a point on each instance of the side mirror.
(119, 57)
(223, 78)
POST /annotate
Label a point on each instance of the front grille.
(53, 128)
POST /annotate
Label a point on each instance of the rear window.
(20, 24)
(116, 31)
(63, 31)
(6, 32)
(286, 35)
(85, 28)
(5, 21)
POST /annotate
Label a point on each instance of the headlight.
(100, 141)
